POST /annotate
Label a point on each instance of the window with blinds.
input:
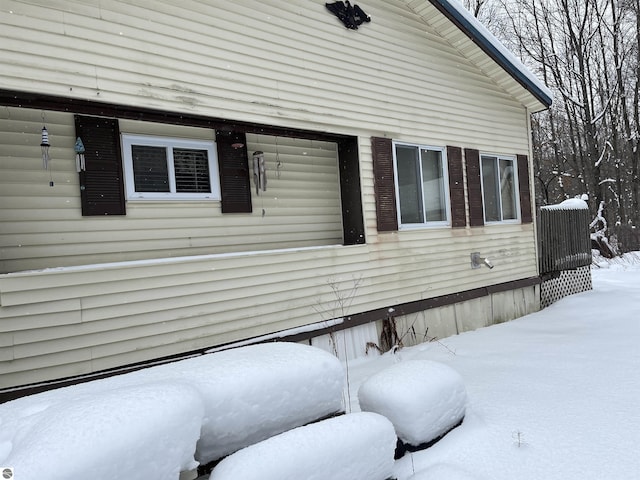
(192, 170)
(158, 168)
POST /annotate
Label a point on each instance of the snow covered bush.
(423, 399)
(599, 239)
(255, 392)
(132, 432)
(357, 446)
(149, 423)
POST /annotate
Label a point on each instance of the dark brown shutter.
(525, 192)
(101, 184)
(474, 187)
(350, 192)
(387, 216)
(456, 187)
(233, 161)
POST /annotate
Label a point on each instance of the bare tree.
(588, 53)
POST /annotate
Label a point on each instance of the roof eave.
(486, 42)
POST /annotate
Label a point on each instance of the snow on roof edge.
(456, 12)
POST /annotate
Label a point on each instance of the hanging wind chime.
(79, 149)
(44, 146)
(259, 172)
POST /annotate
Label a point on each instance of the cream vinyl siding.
(68, 321)
(282, 63)
(42, 226)
(173, 277)
(470, 50)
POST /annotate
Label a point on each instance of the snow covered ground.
(553, 395)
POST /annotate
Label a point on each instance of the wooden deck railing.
(565, 243)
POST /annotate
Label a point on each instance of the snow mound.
(423, 399)
(255, 392)
(152, 421)
(357, 446)
(135, 433)
(443, 471)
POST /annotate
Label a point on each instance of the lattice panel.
(568, 283)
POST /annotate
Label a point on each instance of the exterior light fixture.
(259, 172)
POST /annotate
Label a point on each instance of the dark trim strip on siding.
(384, 184)
(350, 192)
(14, 98)
(474, 187)
(233, 162)
(526, 215)
(350, 321)
(101, 183)
(435, 302)
(456, 187)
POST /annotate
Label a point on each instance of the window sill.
(424, 226)
(172, 199)
(504, 222)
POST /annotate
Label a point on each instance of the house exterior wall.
(121, 291)
(43, 226)
(280, 63)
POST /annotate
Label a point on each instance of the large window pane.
(508, 190)
(409, 190)
(191, 170)
(421, 185)
(433, 186)
(150, 172)
(499, 189)
(490, 190)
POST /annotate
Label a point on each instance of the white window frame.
(169, 143)
(516, 183)
(445, 180)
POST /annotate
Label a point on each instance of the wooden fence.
(564, 238)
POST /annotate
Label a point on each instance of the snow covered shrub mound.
(357, 446)
(255, 392)
(135, 433)
(148, 423)
(423, 399)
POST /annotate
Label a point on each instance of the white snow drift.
(134, 432)
(423, 399)
(357, 446)
(254, 392)
(444, 471)
(145, 424)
